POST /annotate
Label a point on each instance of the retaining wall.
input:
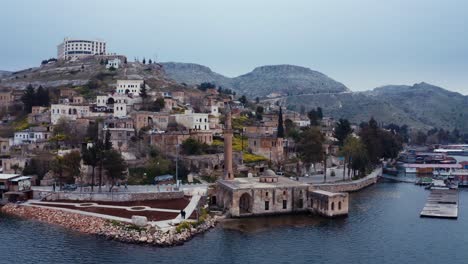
(116, 197)
(351, 186)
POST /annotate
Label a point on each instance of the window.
(266, 194)
(267, 205)
(301, 203)
(285, 204)
(333, 206)
(339, 205)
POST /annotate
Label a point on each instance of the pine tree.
(107, 142)
(144, 61)
(280, 124)
(29, 98)
(42, 97)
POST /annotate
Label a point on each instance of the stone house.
(5, 144)
(268, 146)
(121, 132)
(68, 92)
(9, 162)
(167, 142)
(153, 120)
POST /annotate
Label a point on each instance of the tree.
(144, 96)
(313, 117)
(257, 100)
(42, 97)
(150, 61)
(28, 98)
(192, 147)
(107, 141)
(419, 138)
(115, 166)
(144, 61)
(158, 104)
(72, 164)
(91, 157)
(259, 112)
(207, 85)
(243, 99)
(342, 130)
(355, 154)
(280, 133)
(58, 168)
(310, 147)
(319, 113)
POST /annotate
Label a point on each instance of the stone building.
(6, 98)
(121, 132)
(328, 204)
(268, 194)
(268, 146)
(152, 120)
(167, 142)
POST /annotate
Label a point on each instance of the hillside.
(265, 81)
(420, 106)
(4, 73)
(81, 72)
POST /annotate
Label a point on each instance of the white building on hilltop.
(132, 87)
(75, 48)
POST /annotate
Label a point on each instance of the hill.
(421, 106)
(81, 72)
(265, 81)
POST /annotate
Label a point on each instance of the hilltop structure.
(76, 48)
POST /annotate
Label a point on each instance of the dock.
(441, 203)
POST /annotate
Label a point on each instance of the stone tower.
(228, 173)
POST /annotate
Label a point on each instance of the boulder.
(139, 220)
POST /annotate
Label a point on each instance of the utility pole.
(177, 167)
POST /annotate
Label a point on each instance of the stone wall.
(116, 197)
(351, 186)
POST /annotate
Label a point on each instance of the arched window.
(333, 206)
(339, 205)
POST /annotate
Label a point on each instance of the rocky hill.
(81, 72)
(420, 106)
(265, 81)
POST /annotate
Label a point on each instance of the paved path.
(164, 224)
(128, 208)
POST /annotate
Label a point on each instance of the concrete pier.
(441, 203)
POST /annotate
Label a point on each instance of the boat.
(390, 171)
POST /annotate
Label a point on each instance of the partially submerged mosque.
(271, 194)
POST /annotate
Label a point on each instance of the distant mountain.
(265, 81)
(420, 106)
(4, 73)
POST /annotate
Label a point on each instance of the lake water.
(383, 227)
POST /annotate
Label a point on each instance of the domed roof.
(269, 173)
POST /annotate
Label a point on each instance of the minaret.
(228, 173)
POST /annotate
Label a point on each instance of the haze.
(362, 43)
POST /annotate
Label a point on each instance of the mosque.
(271, 194)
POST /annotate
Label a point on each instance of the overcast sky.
(361, 43)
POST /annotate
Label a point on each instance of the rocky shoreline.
(114, 230)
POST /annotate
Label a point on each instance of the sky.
(361, 43)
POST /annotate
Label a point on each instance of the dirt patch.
(152, 216)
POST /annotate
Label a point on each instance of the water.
(383, 227)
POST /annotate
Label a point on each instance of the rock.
(139, 220)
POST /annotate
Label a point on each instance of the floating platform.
(441, 203)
